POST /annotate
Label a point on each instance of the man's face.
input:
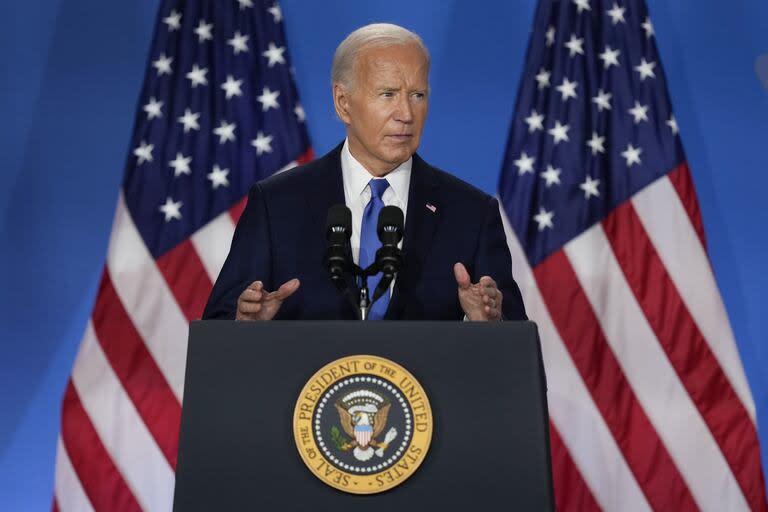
(386, 107)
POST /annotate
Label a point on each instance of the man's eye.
(388, 94)
(419, 95)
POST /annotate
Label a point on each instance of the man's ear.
(341, 102)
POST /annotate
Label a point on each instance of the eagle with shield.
(363, 417)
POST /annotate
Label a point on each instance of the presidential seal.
(362, 424)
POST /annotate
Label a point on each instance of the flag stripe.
(156, 316)
(571, 408)
(579, 329)
(576, 495)
(69, 494)
(237, 210)
(187, 278)
(685, 347)
(648, 370)
(212, 243)
(100, 479)
(673, 236)
(139, 375)
(120, 428)
(682, 181)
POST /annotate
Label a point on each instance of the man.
(452, 230)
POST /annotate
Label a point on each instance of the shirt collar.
(356, 177)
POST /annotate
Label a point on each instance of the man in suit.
(452, 230)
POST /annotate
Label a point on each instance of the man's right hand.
(255, 303)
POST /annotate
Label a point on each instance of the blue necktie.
(369, 244)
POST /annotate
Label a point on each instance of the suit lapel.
(422, 219)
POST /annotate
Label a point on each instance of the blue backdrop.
(71, 73)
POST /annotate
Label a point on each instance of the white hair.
(375, 35)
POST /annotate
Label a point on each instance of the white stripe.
(147, 299)
(122, 431)
(212, 243)
(69, 492)
(571, 408)
(667, 223)
(648, 370)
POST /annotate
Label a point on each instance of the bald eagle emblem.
(363, 417)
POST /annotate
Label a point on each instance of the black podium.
(485, 383)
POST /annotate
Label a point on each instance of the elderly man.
(453, 232)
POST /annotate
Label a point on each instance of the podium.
(485, 383)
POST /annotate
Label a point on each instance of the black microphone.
(338, 257)
(389, 258)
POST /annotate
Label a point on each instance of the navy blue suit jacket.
(281, 236)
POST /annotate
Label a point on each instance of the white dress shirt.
(357, 193)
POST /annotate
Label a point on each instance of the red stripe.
(237, 211)
(140, 376)
(683, 183)
(100, 478)
(55, 506)
(571, 491)
(687, 350)
(187, 278)
(645, 453)
(308, 156)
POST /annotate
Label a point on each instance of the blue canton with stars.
(218, 111)
(593, 123)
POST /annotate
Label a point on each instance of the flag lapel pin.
(431, 207)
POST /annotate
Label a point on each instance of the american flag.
(218, 111)
(649, 405)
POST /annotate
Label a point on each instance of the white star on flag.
(610, 57)
(232, 87)
(596, 143)
(550, 35)
(239, 43)
(144, 152)
(153, 108)
(218, 177)
(225, 131)
(299, 111)
(180, 165)
(639, 112)
(171, 209)
(245, 3)
(672, 123)
(648, 27)
(173, 21)
(590, 187)
(582, 5)
(646, 69)
(274, 54)
(189, 120)
(551, 176)
(543, 78)
(574, 45)
(559, 132)
(602, 100)
(268, 99)
(544, 219)
(567, 89)
(535, 121)
(632, 155)
(616, 13)
(203, 31)
(197, 76)
(276, 13)
(262, 143)
(163, 65)
(524, 163)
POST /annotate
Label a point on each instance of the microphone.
(389, 258)
(338, 230)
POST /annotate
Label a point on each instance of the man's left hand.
(480, 301)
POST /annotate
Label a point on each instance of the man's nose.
(404, 110)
